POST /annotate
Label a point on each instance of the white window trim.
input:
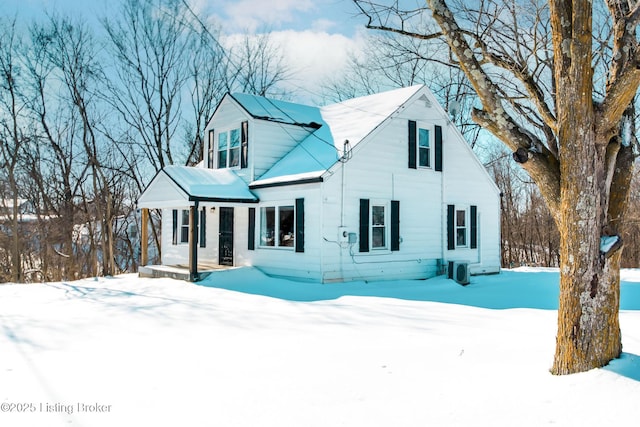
(387, 226)
(431, 129)
(228, 148)
(259, 223)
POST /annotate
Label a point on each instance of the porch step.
(158, 271)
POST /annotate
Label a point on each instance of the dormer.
(251, 133)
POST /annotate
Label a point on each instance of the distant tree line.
(87, 115)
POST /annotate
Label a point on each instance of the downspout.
(443, 221)
(320, 231)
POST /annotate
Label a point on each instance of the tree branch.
(542, 165)
(520, 72)
(624, 72)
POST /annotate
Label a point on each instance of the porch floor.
(180, 272)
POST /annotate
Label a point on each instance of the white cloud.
(253, 14)
(322, 25)
(314, 56)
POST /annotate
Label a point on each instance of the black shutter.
(438, 148)
(364, 225)
(203, 227)
(251, 232)
(395, 225)
(474, 227)
(412, 145)
(451, 228)
(299, 225)
(174, 226)
(244, 149)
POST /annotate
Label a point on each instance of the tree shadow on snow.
(628, 365)
(537, 289)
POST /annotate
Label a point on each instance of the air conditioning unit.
(459, 271)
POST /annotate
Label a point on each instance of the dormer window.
(229, 149)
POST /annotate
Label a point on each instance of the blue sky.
(332, 16)
(316, 36)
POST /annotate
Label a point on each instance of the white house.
(373, 188)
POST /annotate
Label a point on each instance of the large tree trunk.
(588, 327)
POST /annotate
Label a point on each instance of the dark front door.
(225, 237)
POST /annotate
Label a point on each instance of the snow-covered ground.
(242, 349)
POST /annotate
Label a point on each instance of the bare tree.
(258, 66)
(531, 63)
(55, 163)
(72, 50)
(150, 44)
(209, 69)
(528, 233)
(12, 136)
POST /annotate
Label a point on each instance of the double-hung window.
(229, 149)
(378, 227)
(277, 226)
(424, 148)
(184, 226)
(461, 227)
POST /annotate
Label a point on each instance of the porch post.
(144, 237)
(193, 242)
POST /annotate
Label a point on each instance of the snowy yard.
(242, 349)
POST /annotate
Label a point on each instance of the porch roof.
(182, 185)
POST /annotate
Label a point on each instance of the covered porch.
(191, 193)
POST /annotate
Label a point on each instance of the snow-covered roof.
(279, 111)
(202, 183)
(181, 185)
(350, 120)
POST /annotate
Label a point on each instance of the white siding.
(241, 255)
(466, 184)
(285, 261)
(162, 192)
(379, 171)
(172, 254)
(209, 254)
(269, 142)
